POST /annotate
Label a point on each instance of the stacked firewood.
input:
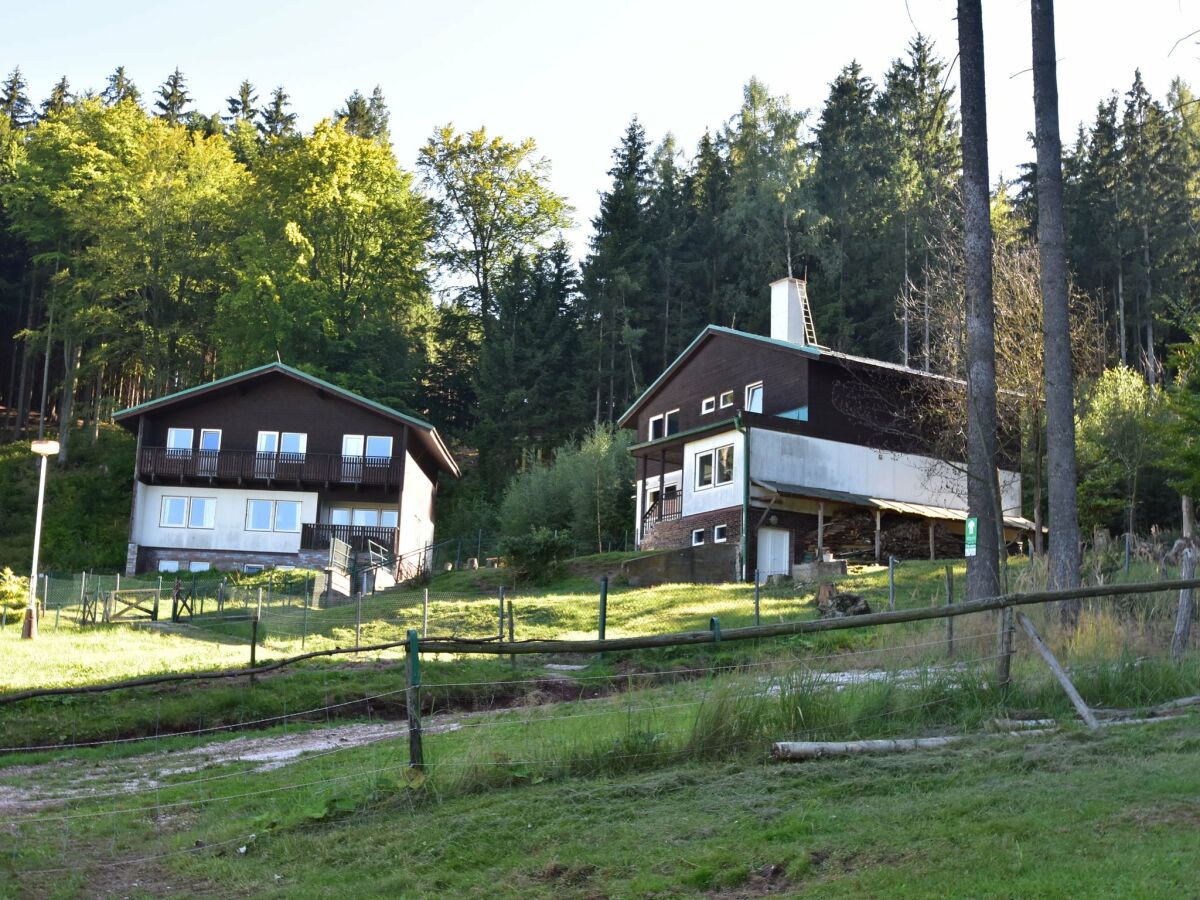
(851, 534)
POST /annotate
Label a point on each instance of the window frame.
(164, 566)
(712, 470)
(375, 459)
(698, 536)
(195, 563)
(667, 432)
(660, 419)
(250, 501)
(757, 385)
(725, 399)
(181, 451)
(389, 512)
(303, 435)
(203, 432)
(708, 405)
(162, 510)
(275, 516)
(191, 505)
(253, 568)
(724, 536)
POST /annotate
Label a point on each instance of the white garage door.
(774, 552)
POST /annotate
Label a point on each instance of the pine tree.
(119, 88)
(60, 98)
(173, 98)
(276, 120)
(241, 106)
(365, 117)
(14, 102)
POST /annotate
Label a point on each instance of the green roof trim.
(285, 369)
(279, 367)
(701, 429)
(708, 330)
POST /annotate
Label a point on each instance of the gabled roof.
(429, 435)
(808, 351)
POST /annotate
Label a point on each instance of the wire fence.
(177, 798)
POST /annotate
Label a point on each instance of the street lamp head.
(44, 448)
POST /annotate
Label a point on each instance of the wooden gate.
(124, 605)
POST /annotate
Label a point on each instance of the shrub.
(538, 554)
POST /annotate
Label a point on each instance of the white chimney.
(791, 318)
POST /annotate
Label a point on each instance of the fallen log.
(819, 749)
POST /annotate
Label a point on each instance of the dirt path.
(30, 788)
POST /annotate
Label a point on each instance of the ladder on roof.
(810, 331)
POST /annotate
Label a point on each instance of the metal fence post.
(412, 702)
(891, 582)
(425, 613)
(950, 619)
(512, 635)
(358, 620)
(757, 599)
(603, 605)
(304, 623)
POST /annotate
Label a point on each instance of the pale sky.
(571, 74)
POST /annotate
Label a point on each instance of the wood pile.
(851, 533)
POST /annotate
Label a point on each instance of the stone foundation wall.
(705, 564)
(230, 560)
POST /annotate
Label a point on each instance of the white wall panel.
(229, 526)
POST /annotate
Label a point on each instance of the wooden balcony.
(317, 537)
(160, 464)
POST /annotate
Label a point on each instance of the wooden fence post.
(603, 605)
(891, 582)
(1082, 708)
(1183, 619)
(512, 635)
(950, 619)
(500, 628)
(412, 702)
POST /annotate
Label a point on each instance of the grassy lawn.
(666, 792)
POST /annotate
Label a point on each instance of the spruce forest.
(147, 245)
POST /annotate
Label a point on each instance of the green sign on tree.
(971, 534)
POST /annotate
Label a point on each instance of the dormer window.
(754, 397)
(707, 405)
(726, 399)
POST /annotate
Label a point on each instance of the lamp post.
(43, 449)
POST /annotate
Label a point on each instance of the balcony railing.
(165, 464)
(317, 537)
(669, 506)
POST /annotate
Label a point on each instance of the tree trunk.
(983, 500)
(1056, 316)
(67, 404)
(1151, 361)
(1037, 481)
(23, 383)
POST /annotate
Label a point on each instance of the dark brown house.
(264, 467)
(765, 443)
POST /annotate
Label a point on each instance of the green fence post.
(425, 614)
(603, 605)
(714, 625)
(756, 598)
(412, 702)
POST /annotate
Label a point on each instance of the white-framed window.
(202, 512)
(210, 439)
(258, 515)
(268, 442)
(389, 518)
(252, 568)
(714, 467)
(697, 537)
(378, 448)
(719, 533)
(173, 512)
(179, 441)
(287, 515)
(726, 399)
(656, 427)
(199, 566)
(352, 444)
(168, 565)
(367, 518)
(671, 422)
(293, 443)
(754, 397)
(707, 405)
(339, 515)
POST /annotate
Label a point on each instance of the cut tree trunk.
(1183, 619)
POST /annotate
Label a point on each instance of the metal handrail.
(249, 465)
